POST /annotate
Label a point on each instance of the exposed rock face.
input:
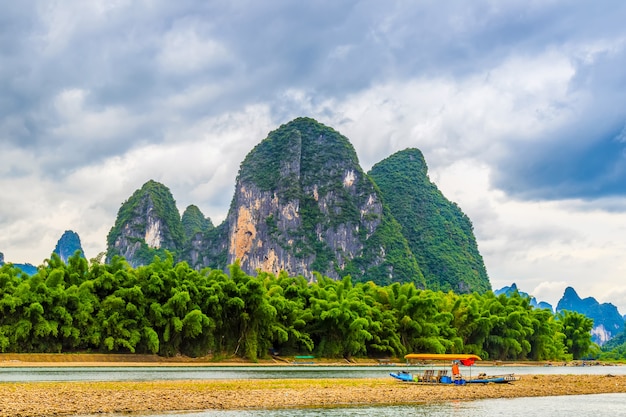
(302, 204)
(607, 322)
(67, 245)
(195, 226)
(147, 225)
(439, 234)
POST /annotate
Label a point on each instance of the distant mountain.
(439, 234)
(303, 204)
(67, 245)
(533, 301)
(607, 322)
(26, 268)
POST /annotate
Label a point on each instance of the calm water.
(112, 373)
(598, 405)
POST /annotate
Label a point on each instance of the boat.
(493, 379)
(442, 377)
(404, 376)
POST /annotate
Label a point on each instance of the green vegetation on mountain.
(439, 234)
(193, 222)
(169, 308)
(307, 207)
(343, 227)
(615, 349)
(153, 201)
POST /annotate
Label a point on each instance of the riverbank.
(107, 359)
(83, 398)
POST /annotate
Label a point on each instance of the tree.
(577, 330)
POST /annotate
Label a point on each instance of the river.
(152, 373)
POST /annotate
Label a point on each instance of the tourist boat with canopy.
(441, 376)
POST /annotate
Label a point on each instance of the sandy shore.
(63, 398)
(81, 398)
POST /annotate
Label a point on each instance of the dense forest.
(168, 309)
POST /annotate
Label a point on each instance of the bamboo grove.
(169, 309)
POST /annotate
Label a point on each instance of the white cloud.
(549, 291)
(78, 123)
(185, 51)
(541, 246)
(451, 119)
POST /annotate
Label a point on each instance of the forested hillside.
(440, 235)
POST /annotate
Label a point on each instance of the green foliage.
(576, 327)
(614, 349)
(159, 198)
(193, 222)
(439, 234)
(168, 308)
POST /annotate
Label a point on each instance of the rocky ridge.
(302, 204)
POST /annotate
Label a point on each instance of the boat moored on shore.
(441, 376)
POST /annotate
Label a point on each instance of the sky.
(519, 108)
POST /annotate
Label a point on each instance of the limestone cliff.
(147, 224)
(302, 203)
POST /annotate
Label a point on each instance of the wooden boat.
(441, 377)
(493, 379)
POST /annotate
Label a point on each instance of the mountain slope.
(440, 235)
(147, 224)
(193, 222)
(302, 203)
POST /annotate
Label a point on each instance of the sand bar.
(72, 398)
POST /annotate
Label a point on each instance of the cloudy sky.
(519, 108)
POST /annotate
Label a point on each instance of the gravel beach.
(74, 398)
